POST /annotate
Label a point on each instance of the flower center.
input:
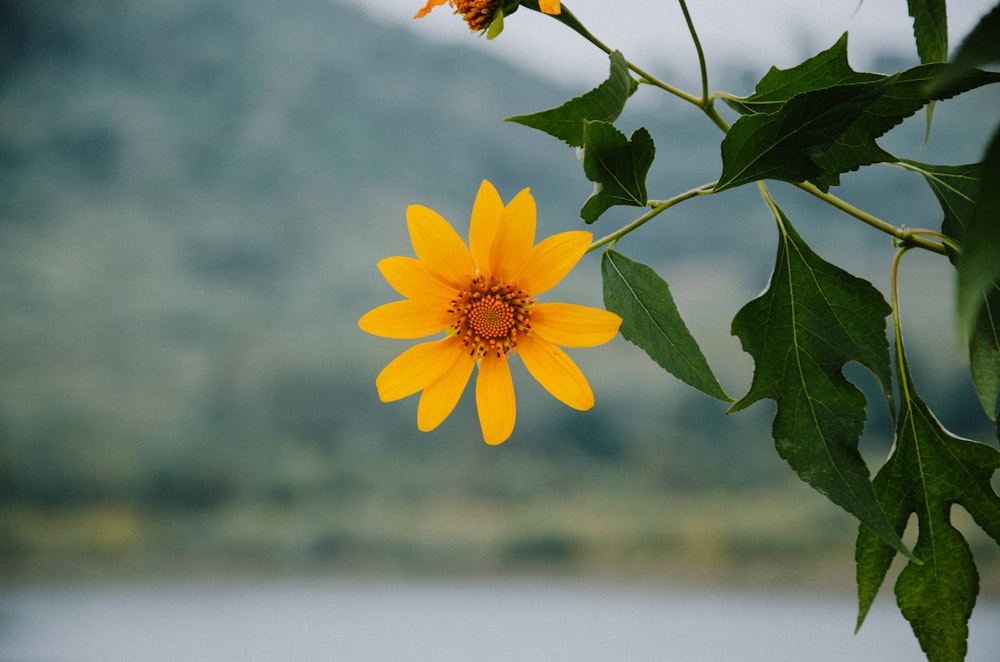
(477, 13)
(489, 316)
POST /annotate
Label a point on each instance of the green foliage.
(960, 192)
(814, 318)
(604, 103)
(984, 353)
(822, 118)
(956, 188)
(980, 47)
(617, 165)
(930, 29)
(809, 125)
(979, 265)
(650, 320)
(928, 472)
(785, 143)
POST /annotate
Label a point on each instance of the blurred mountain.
(194, 197)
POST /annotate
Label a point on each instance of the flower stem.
(657, 207)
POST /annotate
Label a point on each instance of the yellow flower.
(482, 296)
(480, 13)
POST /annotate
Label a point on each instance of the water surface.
(444, 621)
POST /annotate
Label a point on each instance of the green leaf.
(604, 103)
(813, 319)
(981, 46)
(956, 188)
(930, 29)
(928, 472)
(984, 352)
(782, 145)
(979, 265)
(826, 69)
(650, 320)
(496, 25)
(908, 94)
(617, 166)
(855, 146)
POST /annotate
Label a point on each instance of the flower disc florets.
(489, 317)
(480, 14)
(477, 13)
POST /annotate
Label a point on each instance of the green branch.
(911, 238)
(657, 208)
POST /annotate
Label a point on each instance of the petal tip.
(495, 442)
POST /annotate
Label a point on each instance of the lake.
(347, 620)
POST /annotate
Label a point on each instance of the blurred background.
(194, 196)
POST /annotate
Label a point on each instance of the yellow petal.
(409, 277)
(438, 247)
(440, 397)
(495, 400)
(549, 6)
(485, 221)
(552, 259)
(405, 319)
(515, 237)
(555, 370)
(431, 5)
(570, 325)
(417, 367)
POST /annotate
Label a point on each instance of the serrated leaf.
(604, 103)
(930, 29)
(928, 472)
(617, 166)
(979, 264)
(907, 95)
(984, 352)
(814, 318)
(782, 145)
(825, 69)
(856, 146)
(981, 46)
(650, 320)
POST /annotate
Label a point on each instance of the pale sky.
(750, 33)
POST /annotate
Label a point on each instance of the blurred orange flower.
(480, 13)
(482, 296)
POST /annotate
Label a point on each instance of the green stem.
(771, 204)
(649, 79)
(566, 17)
(897, 324)
(702, 66)
(944, 240)
(713, 114)
(906, 237)
(657, 208)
